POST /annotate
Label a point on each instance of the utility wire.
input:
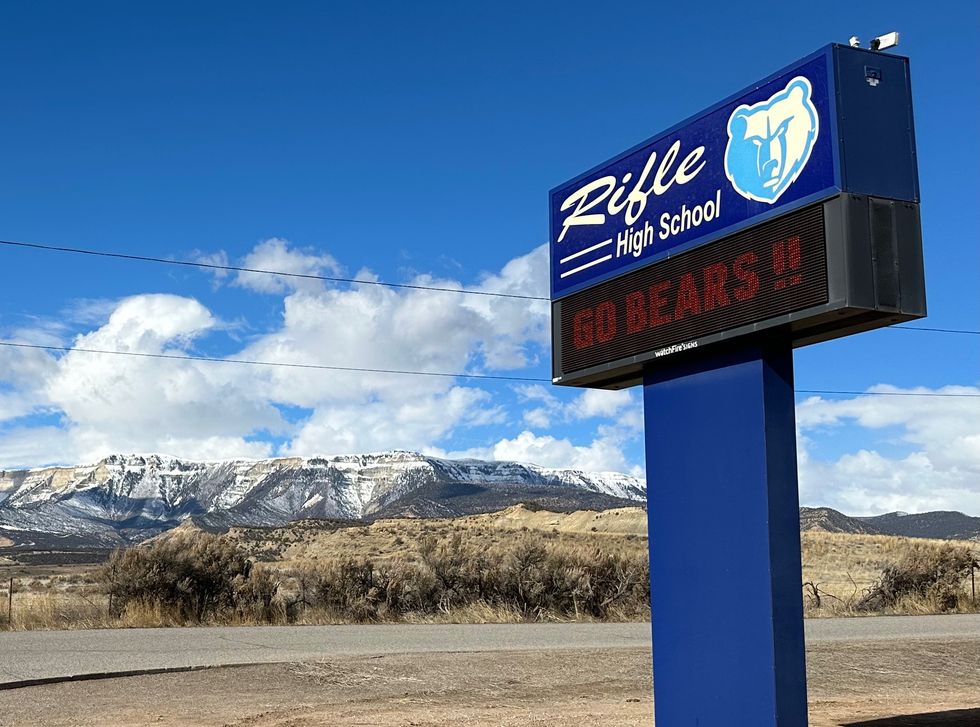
(886, 393)
(403, 372)
(935, 330)
(337, 279)
(281, 273)
(280, 364)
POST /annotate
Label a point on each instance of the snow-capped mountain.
(130, 497)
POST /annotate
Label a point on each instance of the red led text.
(689, 295)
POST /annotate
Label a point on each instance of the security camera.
(888, 40)
(854, 42)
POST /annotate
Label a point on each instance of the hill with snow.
(127, 498)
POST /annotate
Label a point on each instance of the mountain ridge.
(126, 498)
(937, 524)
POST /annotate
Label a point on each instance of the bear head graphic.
(769, 143)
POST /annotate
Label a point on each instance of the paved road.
(29, 655)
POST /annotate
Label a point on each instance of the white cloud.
(276, 254)
(923, 452)
(25, 371)
(217, 259)
(121, 403)
(514, 323)
(603, 454)
(383, 328)
(600, 403)
(547, 406)
(938, 467)
(539, 418)
(412, 424)
(590, 403)
(34, 446)
(204, 410)
(537, 392)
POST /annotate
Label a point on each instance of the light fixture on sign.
(882, 42)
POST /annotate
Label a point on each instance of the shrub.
(198, 578)
(356, 589)
(527, 579)
(193, 578)
(563, 581)
(462, 570)
(256, 597)
(934, 574)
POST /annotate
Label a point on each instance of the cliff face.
(130, 497)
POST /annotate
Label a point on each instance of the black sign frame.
(874, 278)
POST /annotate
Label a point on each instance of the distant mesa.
(128, 498)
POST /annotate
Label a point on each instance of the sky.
(416, 143)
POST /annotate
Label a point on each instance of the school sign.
(751, 215)
(693, 265)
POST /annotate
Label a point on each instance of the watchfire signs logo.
(708, 177)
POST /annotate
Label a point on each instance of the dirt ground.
(927, 683)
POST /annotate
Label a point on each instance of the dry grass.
(57, 610)
(842, 562)
(473, 613)
(841, 566)
(427, 572)
(621, 531)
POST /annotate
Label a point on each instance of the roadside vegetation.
(199, 578)
(515, 566)
(925, 577)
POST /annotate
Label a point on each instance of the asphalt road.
(43, 655)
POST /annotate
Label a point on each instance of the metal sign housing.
(802, 190)
(839, 267)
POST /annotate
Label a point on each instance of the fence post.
(112, 587)
(10, 603)
(973, 583)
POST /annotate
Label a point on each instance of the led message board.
(775, 269)
(791, 208)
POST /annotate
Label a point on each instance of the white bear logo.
(769, 143)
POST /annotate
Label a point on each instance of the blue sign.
(758, 154)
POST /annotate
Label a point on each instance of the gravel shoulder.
(851, 683)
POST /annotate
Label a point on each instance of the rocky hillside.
(827, 520)
(939, 525)
(127, 498)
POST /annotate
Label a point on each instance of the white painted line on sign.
(580, 268)
(586, 250)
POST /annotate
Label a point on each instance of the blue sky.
(416, 142)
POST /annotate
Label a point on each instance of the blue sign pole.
(723, 511)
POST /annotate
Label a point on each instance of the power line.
(337, 279)
(886, 393)
(406, 372)
(279, 364)
(260, 271)
(935, 330)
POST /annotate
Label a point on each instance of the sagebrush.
(528, 577)
(193, 579)
(934, 575)
(208, 578)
